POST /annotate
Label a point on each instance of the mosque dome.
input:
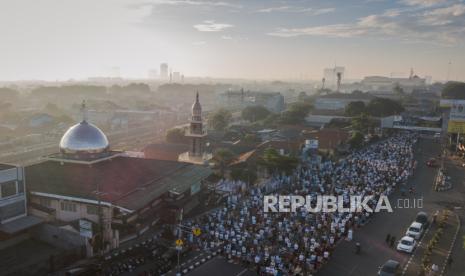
(84, 139)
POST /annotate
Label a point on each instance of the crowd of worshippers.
(299, 243)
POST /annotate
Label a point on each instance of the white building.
(164, 71)
(13, 204)
(331, 75)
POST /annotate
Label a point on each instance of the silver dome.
(84, 138)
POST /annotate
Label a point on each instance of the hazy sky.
(62, 39)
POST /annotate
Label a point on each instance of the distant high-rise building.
(164, 71)
(332, 76)
(176, 77)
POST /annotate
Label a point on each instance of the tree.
(251, 138)
(399, 91)
(254, 113)
(356, 141)
(296, 113)
(454, 90)
(362, 123)
(302, 96)
(176, 135)
(222, 158)
(355, 108)
(8, 94)
(276, 162)
(382, 107)
(271, 120)
(248, 175)
(219, 119)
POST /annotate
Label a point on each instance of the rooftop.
(124, 181)
(165, 151)
(6, 167)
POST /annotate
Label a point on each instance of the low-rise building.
(121, 196)
(273, 101)
(14, 217)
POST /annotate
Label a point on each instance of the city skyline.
(54, 40)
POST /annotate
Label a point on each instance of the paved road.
(220, 266)
(372, 236)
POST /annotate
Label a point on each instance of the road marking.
(242, 272)
(414, 251)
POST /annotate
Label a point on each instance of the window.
(92, 210)
(68, 206)
(8, 189)
(45, 202)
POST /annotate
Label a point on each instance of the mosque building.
(116, 196)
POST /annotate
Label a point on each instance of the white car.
(406, 244)
(415, 230)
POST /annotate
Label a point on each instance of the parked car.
(422, 217)
(406, 244)
(390, 268)
(415, 230)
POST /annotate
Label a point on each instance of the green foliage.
(222, 158)
(8, 94)
(356, 141)
(254, 113)
(176, 135)
(296, 113)
(302, 96)
(362, 123)
(250, 138)
(381, 107)
(219, 119)
(454, 90)
(248, 176)
(130, 89)
(355, 108)
(276, 162)
(271, 120)
(399, 91)
(88, 91)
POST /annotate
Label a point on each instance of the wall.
(81, 211)
(58, 237)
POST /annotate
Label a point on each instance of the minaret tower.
(196, 131)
